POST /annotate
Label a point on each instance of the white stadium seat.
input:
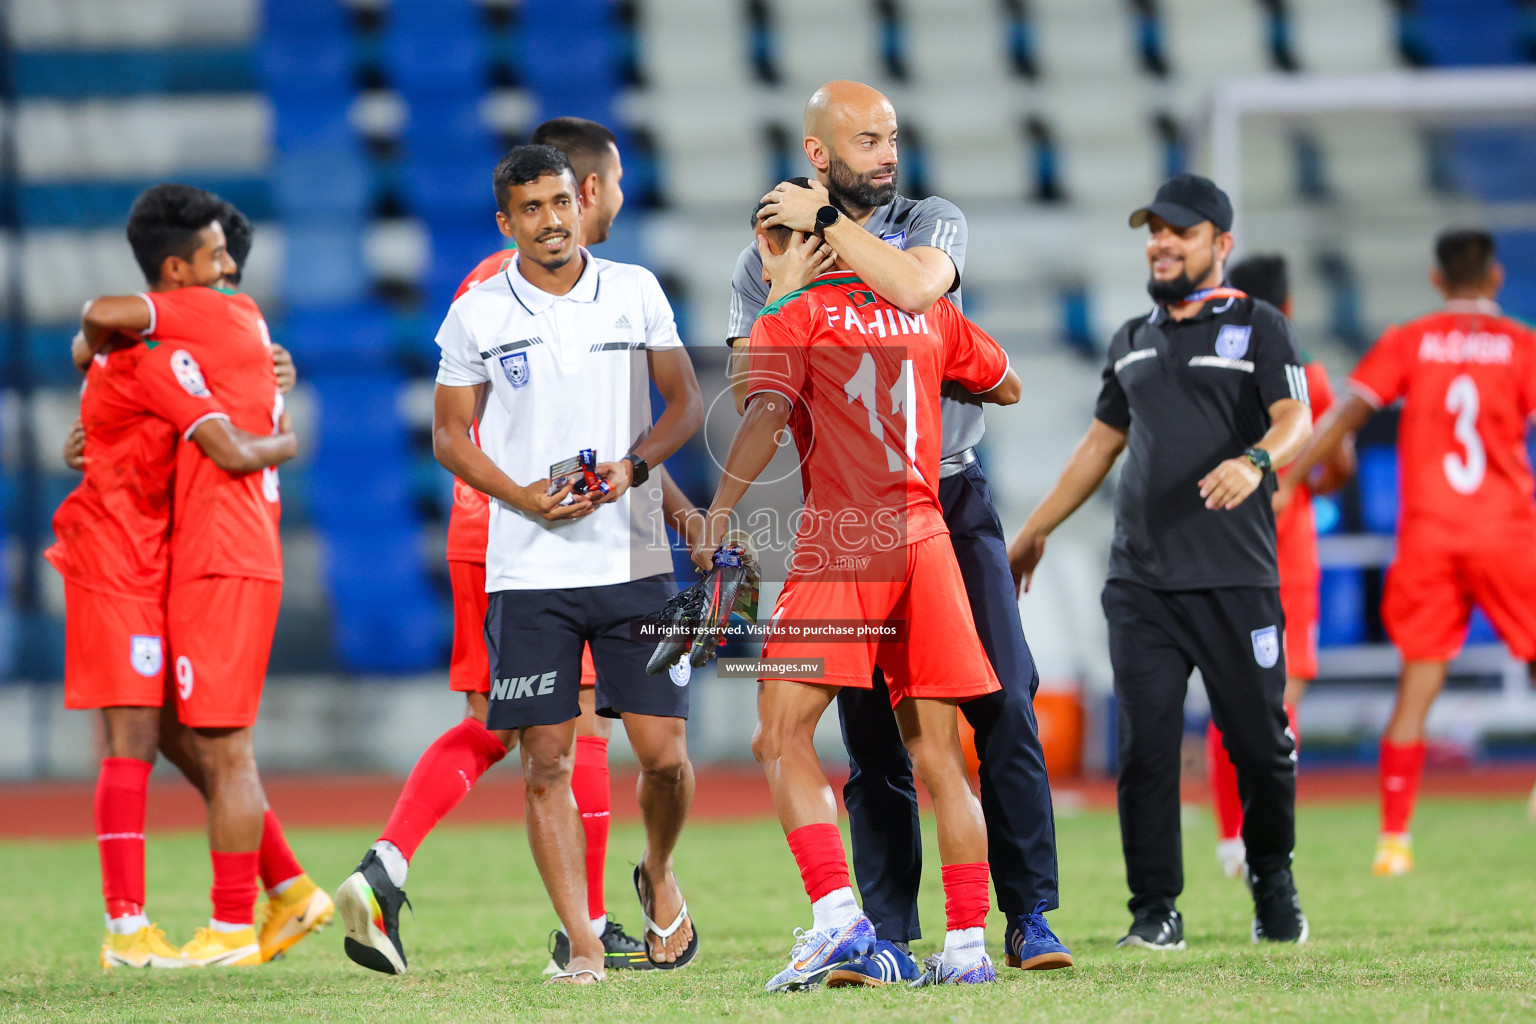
(1269, 163)
(1084, 40)
(956, 42)
(1344, 35)
(714, 155)
(130, 24)
(144, 138)
(1373, 160)
(973, 141)
(695, 45)
(816, 41)
(1207, 40)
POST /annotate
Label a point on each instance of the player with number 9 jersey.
(226, 555)
(1467, 378)
(864, 378)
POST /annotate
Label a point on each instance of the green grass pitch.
(1454, 941)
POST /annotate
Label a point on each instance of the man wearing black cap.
(1209, 396)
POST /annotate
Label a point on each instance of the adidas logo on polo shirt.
(572, 389)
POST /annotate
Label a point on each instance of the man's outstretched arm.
(1086, 469)
(752, 449)
(239, 451)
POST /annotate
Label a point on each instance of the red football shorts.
(220, 631)
(1429, 596)
(114, 650)
(936, 653)
(469, 670)
(1299, 603)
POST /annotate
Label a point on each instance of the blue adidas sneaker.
(886, 965)
(938, 971)
(1031, 945)
(817, 952)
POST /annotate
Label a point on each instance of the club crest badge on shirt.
(1266, 646)
(682, 671)
(899, 239)
(515, 366)
(147, 654)
(188, 374)
(1232, 341)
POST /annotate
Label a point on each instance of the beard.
(857, 191)
(551, 261)
(1170, 293)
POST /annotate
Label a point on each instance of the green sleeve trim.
(778, 304)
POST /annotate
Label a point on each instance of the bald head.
(844, 101)
(850, 138)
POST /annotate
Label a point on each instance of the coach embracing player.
(911, 253)
(1208, 393)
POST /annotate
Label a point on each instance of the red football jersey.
(1467, 378)
(114, 530)
(1295, 530)
(205, 341)
(469, 521)
(868, 378)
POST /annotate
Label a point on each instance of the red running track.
(62, 810)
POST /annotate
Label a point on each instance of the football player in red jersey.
(116, 541)
(1466, 376)
(873, 549)
(450, 767)
(1265, 277)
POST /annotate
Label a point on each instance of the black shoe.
(369, 906)
(621, 951)
(1277, 915)
(1155, 929)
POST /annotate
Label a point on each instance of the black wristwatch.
(825, 218)
(642, 471)
(1260, 458)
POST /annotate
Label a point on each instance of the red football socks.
(589, 783)
(1223, 779)
(443, 776)
(122, 786)
(1402, 765)
(966, 900)
(278, 864)
(818, 850)
(234, 886)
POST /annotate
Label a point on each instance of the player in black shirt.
(1208, 395)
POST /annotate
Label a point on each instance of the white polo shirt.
(570, 372)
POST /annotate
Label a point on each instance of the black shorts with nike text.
(535, 637)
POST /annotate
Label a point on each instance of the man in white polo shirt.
(569, 345)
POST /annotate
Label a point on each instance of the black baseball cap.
(1185, 201)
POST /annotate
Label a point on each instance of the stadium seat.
(817, 42)
(686, 47)
(1341, 608)
(143, 138)
(712, 157)
(974, 143)
(337, 337)
(324, 177)
(1377, 477)
(1494, 164)
(1335, 36)
(1373, 160)
(1469, 32)
(957, 43)
(324, 263)
(1207, 40)
(1085, 41)
(435, 48)
(306, 66)
(115, 24)
(1517, 251)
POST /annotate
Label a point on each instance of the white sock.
(127, 924)
(225, 926)
(395, 864)
(599, 925)
(834, 910)
(286, 884)
(964, 945)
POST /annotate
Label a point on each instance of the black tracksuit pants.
(1015, 792)
(1232, 634)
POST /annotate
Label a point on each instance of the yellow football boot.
(1394, 855)
(144, 948)
(298, 911)
(210, 948)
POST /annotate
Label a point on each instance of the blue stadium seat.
(353, 337)
(457, 248)
(1469, 32)
(77, 75)
(1341, 608)
(323, 264)
(435, 48)
(304, 19)
(306, 67)
(1517, 251)
(1494, 164)
(1378, 488)
(1480, 630)
(386, 616)
(325, 176)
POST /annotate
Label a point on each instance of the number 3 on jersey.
(864, 386)
(1465, 472)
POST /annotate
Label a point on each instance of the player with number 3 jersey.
(1466, 376)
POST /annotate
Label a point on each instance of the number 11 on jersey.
(864, 386)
